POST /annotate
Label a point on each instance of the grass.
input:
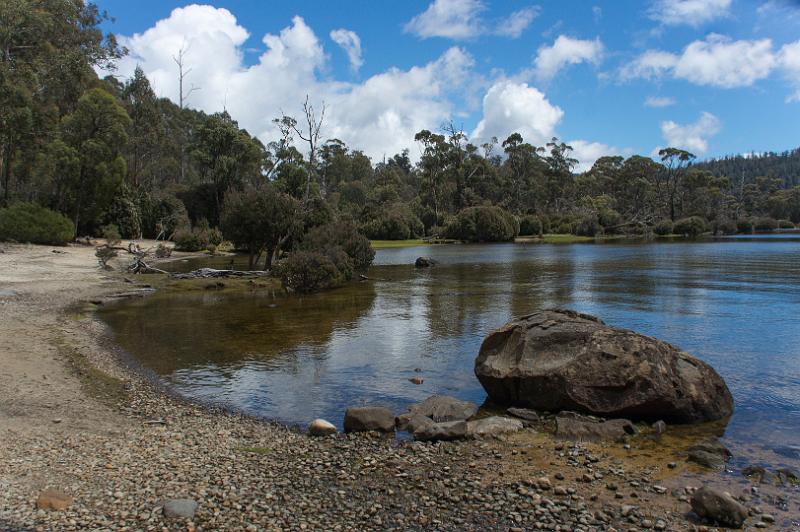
(255, 450)
(387, 244)
(554, 238)
(96, 383)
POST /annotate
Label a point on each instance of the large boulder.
(562, 360)
(444, 408)
(445, 431)
(367, 418)
(424, 262)
(718, 506)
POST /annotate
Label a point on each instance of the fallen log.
(211, 273)
(140, 266)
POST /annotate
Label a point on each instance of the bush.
(588, 226)
(104, 254)
(744, 225)
(725, 227)
(344, 235)
(162, 214)
(29, 222)
(310, 271)
(663, 228)
(125, 214)
(785, 224)
(111, 233)
(610, 220)
(483, 224)
(565, 228)
(190, 240)
(692, 226)
(765, 224)
(397, 224)
(530, 225)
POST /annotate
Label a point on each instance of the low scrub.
(663, 228)
(744, 225)
(29, 222)
(765, 224)
(785, 224)
(311, 271)
(530, 225)
(483, 224)
(692, 226)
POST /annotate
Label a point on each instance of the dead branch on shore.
(140, 266)
(211, 273)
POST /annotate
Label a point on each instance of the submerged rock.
(320, 427)
(563, 360)
(424, 262)
(366, 418)
(577, 428)
(718, 506)
(444, 408)
(711, 454)
(493, 426)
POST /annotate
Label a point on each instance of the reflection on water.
(734, 303)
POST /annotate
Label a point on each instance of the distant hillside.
(785, 165)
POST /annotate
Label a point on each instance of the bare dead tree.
(183, 95)
(311, 136)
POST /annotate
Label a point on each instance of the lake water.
(734, 303)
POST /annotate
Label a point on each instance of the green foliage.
(744, 225)
(340, 235)
(399, 223)
(29, 222)
(104, 254)
(530, 225)
(125, 214)
(765, 224)
(588, 226)
(311, 271)
(162, 215)
(190, 239)
(785, 224)
(692, 226)
(725, 226)
(483, 224)
(609, 219)
(111, 233)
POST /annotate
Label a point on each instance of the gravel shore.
(76, 418)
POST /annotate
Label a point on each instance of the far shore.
(77, 418)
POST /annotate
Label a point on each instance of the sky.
(714, 77)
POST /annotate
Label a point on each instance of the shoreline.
(78, 419)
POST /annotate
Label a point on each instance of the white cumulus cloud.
(692, 137)
(688, 12)
(789, 60)
(510, 107)
(351, 44)
(588, 152)
(463, 19)
(716, 61)
(379, 115)
(566, 51)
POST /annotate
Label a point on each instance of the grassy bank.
(566, 238)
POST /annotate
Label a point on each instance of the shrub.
(785, 224)
(190, 240)
(104, 254)
(725, 227)
(565, 228)
(124, 213)
(692, 226)
(530, 225)
(609, 219)
(309, 271)
(400, 223)
(483, 224)
(663, 228)
(29, 222)
(344, 235)
(744, 225)
(588, 226)
(162, 214)
(765, 224)
(111, 233)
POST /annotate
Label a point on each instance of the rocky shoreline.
(126, 456)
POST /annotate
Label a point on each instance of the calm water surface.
(735, 303)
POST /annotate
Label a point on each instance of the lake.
(733, 302)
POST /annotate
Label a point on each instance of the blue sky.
(712, 76)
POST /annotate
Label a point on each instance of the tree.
(259, 219)
(90, 165)
(675, 163)
(147, 129)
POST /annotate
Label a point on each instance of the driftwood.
(211, 273)
(140, 266)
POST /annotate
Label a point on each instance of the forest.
(84, 155)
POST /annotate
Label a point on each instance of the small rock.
(53, 499)
(659, 427)
(320, 427)
(718, 506)
(416, 380)
(524, 413)
(424, 262)
(711, 454)
(180, 508)
(493, 426)
(444, 408)
(579, 428)
(448, 430)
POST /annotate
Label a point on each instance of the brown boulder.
(51, 499)
(577, 428)
(367, 418)
(562, 360)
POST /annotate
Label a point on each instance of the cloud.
(379, 115)
(688, 12)
(789, 61)
(659, 101)
(452, 19)
(462, 19)
(510, 107)
(716, 61)
(351, 44)
(588, 152)
(693, 137)
(516, 23)
(566, 51)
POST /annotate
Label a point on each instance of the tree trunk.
(270, 252)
